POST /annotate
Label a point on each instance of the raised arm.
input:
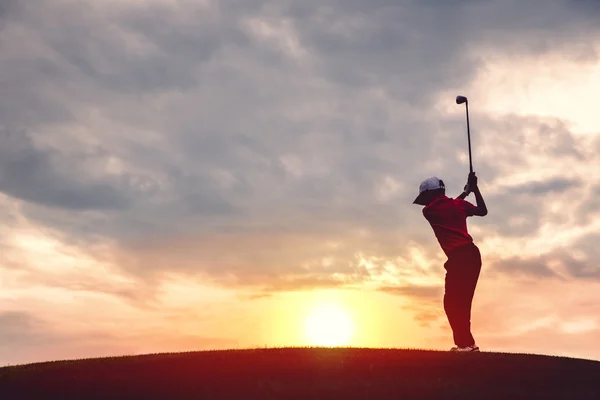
(464, 194)
(481, 207)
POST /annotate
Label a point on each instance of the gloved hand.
(472, 181)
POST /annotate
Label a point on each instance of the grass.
(307, 373)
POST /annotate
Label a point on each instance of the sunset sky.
(180, 175)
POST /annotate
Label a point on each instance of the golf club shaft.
(469, 137)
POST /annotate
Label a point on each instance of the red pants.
(462, 273)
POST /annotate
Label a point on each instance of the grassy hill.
(297, 373)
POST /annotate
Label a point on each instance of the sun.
(329, 325)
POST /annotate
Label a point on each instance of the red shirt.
(448, 218)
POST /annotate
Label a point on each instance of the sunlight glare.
(329, 326)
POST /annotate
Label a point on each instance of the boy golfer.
(448, 218)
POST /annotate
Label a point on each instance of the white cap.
(433, 183)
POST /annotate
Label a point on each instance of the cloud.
(19, 327)
(203, 49)
(35, 175)
(578, 261)
(423, 302)
(174, 132)
(421, 293)
(27, 338)
(581, 259)
(544, 188)
(278, 146)
(264, 259)
(538, 267)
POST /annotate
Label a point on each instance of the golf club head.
(461, 99)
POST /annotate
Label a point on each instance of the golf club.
(460, 100)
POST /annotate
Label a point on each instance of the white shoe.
(467, 349)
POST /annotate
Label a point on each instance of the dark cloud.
(428, 318)
(577, 261)
(416, 291)
(586, 267)
(515, 145)
(19, 327)
(589, 207)
(121, 58)
(426, 302)
(281, 119)
(543, 188)
(538, 267)
(31, 174)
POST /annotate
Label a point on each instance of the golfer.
(448, 218)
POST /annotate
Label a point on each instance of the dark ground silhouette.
(307, 374)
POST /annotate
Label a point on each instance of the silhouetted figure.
(448, 218)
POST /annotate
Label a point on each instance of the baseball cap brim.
(420, 199)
